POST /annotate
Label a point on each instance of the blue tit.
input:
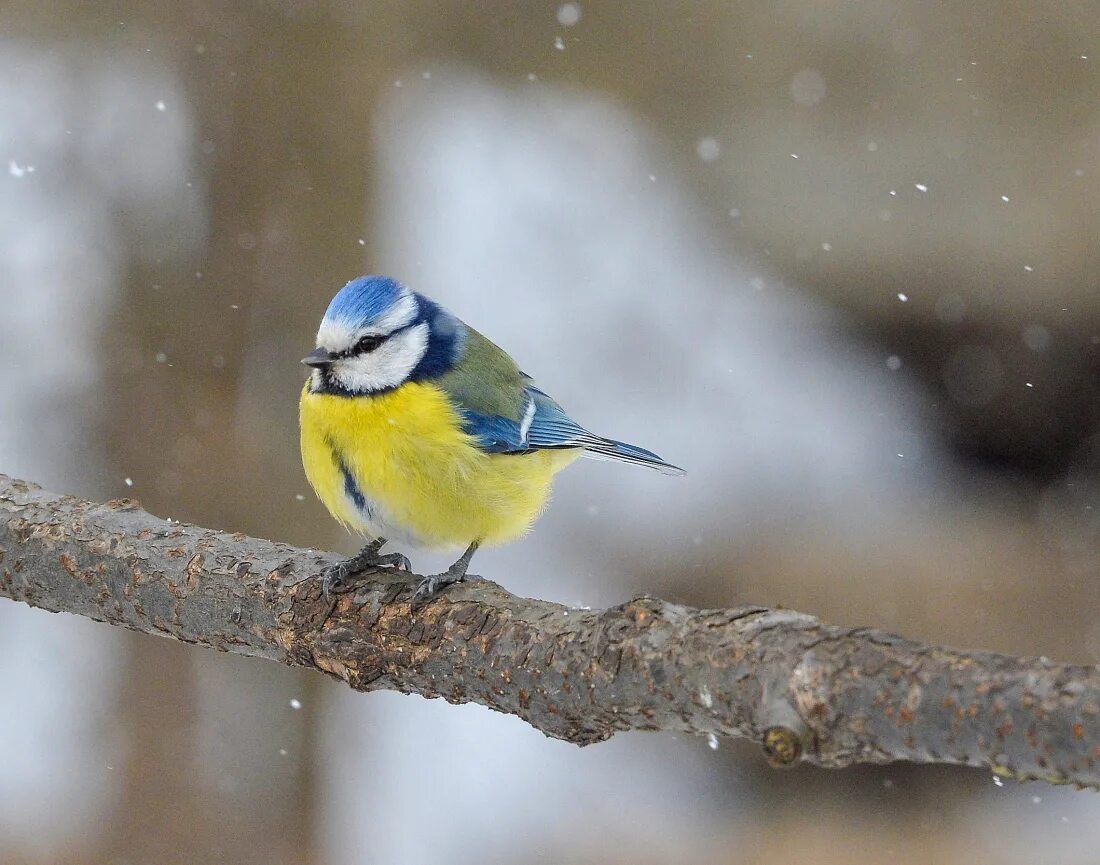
(418, 429)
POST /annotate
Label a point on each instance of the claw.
(456, 573)
(367, 561)
(428, 587)
(331, 581)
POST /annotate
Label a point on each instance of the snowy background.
(838, 260)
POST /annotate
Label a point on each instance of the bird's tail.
(609, 449)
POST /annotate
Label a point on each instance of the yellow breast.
(418, 476)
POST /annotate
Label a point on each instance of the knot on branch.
(782, 746)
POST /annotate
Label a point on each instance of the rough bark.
(804, 689)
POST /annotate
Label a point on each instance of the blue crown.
(364, 299)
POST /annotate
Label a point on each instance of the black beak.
(319, 358)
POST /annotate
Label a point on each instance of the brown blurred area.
(928, 173)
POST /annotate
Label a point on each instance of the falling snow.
(708, 149)
(295, 703)
(569, 14)
(17, 170)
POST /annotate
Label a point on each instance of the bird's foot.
(343, 576)
(430, 586)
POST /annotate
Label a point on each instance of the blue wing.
(545, 425)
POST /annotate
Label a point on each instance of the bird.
(418, 430)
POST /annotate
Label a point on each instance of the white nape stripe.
(528, 418)
(387, 366)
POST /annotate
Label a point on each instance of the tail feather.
(609, 449)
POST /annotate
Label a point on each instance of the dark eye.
(368, 344)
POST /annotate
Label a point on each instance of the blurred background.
(837, 259)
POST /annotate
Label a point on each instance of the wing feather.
(506, 414)
(546, 426)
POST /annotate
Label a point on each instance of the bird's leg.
(456, 573)
(367, 561)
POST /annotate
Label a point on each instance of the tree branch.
(803, 689)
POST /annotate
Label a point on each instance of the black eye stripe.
(369, 343)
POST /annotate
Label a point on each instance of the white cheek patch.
(387, 366)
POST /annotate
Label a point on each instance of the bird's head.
(377, 334)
